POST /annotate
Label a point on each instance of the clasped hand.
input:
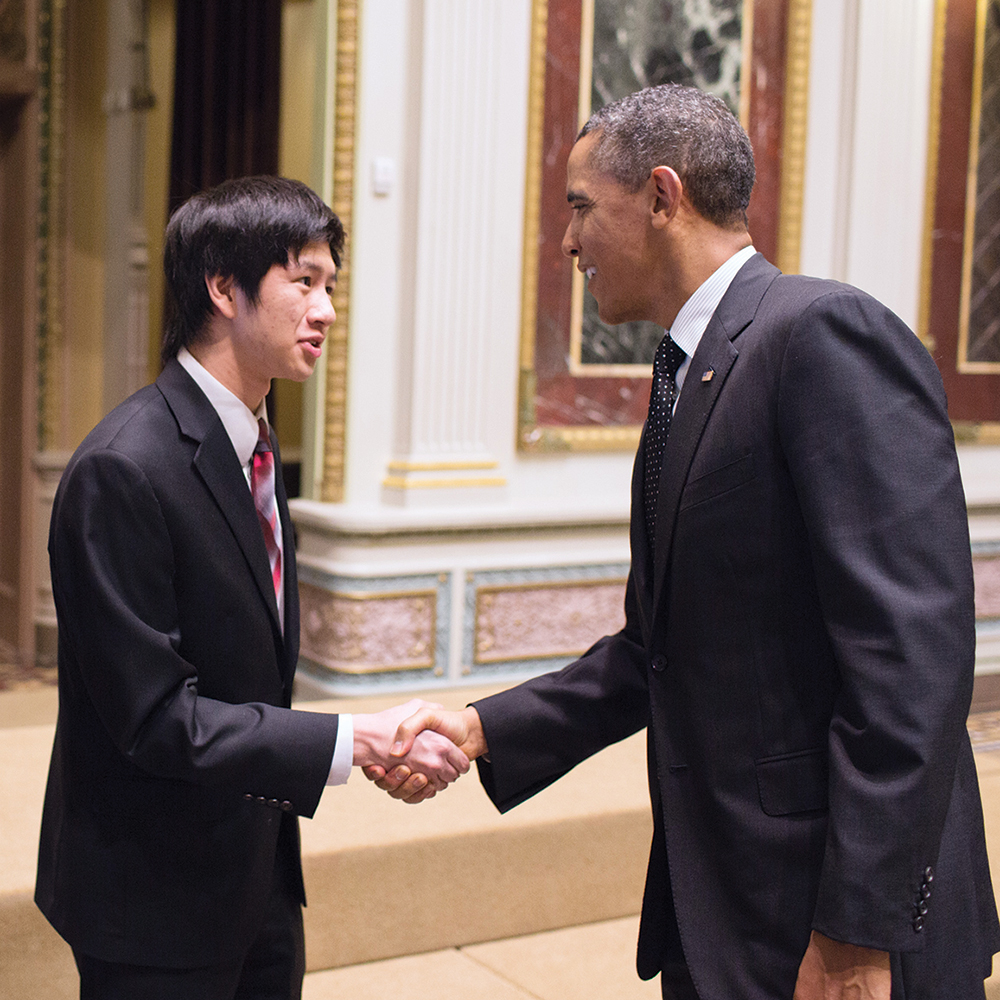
(403, 774)
(427, 765)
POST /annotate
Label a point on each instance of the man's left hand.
(833, 970)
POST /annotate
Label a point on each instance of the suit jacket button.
(918, 924)
(248, 797)
(273, 803)
(286, 806)
(262, 800)
(659, 663)
(928, 875)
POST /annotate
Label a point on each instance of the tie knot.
(669, 357)
(263, 437)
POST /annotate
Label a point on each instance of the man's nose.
(570, 248)
(323, 312)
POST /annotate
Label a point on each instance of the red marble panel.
(971, 397)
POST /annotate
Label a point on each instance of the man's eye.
(306, 280)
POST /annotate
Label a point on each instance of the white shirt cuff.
(343, 751)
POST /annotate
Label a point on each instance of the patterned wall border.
(48, 290)
(345, 110)
(368, 597)
(483, 583)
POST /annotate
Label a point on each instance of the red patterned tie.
(262, 487)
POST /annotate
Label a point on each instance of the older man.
(800, 636)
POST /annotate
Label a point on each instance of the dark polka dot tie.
(662, 395)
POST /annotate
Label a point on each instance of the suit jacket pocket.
(793, 782)
(718, 481)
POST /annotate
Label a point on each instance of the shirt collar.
(240, 422)
(694, 316)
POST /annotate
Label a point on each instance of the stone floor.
(588, 962)
(592, 962)
(17, 678)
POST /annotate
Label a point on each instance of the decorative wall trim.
(534, 621)
(533, 188)
(352, 632)
(462, 482)
(524, 621)
(930, 186)
(793, 140)
(360, 633)
(345, 109)
(51, 129)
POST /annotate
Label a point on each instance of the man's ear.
(667, 192)
(220, 291)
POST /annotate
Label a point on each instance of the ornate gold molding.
(793, 137)
(51, 129)
(930, 185)
(345, 109)
(533, 183)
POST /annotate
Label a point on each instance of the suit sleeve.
(539, 730)
(864, 427)
(113, 570)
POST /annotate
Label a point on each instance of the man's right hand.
(431, 762)
(463, 728)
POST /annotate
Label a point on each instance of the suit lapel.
(717, 354)
(219, 468)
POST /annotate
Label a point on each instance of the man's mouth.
(315, 344)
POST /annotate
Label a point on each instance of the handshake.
(416, 750)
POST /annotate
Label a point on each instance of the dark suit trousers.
(271, 969)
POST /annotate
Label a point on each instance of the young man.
(800, 630)
(169, 852)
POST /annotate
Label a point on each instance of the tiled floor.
(592, 962)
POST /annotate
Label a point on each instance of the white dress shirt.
(241, 426)
(691, 322)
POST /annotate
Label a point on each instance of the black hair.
(239, 229)
(684, 128)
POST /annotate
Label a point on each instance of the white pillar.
(448, 375)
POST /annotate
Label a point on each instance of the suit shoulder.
(801, 291)
(138, 429)
(130, 425)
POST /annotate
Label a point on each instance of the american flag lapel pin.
(709, 375)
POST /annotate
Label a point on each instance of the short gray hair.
(684, 128)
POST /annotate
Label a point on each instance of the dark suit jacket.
(178, 768)
(802, 654)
